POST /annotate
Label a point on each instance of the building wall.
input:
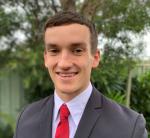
(11, 94)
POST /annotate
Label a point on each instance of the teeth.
(66, 74)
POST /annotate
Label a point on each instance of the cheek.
(49, 65)
(87, 65)
(49, 61)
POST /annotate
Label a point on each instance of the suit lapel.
(46, 118)
(90, 115)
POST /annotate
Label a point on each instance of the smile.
(67, 74)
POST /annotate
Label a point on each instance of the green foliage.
(8, 24)
(140, 97)
(7, 126)
(112, 72)
(121, 15)
(7, 119)
(101, 79)
(27, 56)
(117, 96)
(36, 81)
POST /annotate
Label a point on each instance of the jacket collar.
(46, 118)
(91, 114)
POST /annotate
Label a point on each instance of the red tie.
(62, 130)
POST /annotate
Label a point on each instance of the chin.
(67, 89)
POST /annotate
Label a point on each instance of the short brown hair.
(67, 17)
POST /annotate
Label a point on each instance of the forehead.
(73, 31)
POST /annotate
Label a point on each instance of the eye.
(53, 51)
(78, 51)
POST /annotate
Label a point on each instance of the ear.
(45, 58)
(96, 59)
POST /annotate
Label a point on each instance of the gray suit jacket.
(102, 118)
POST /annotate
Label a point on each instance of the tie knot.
(64, 112)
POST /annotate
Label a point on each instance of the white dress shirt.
(76, 107)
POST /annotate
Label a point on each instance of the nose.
(65, 61)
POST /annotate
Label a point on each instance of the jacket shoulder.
(122, 118)
(35, 106)
(122, 110)
(33, 110)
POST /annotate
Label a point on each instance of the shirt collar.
(57, 104)
(76, 105)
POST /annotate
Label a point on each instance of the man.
(77, 109)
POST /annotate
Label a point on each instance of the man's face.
(68, 58)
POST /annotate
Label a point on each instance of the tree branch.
(90, 7)
(54, 6)
(68, 5)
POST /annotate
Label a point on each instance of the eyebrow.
(78, 44)
(51, 45)
(73, 45)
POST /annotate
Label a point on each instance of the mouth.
(66, 74)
